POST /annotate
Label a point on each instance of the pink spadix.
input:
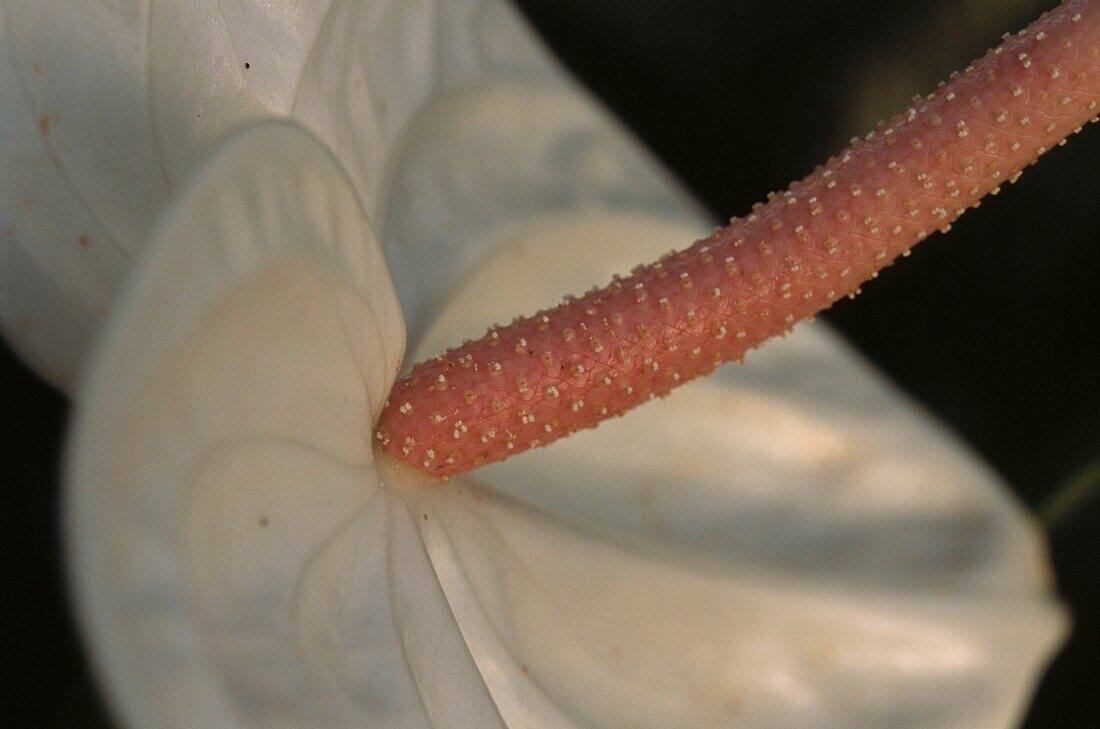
(596, 356)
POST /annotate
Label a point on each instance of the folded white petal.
(620, 636)
(213, 64)
(224, 441)
(786, 543)
(79, 180)
(109, 105)
(488, 164)
(452, 689)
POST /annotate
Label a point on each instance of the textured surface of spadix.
(787, 543)
(229, 542)
(109, 105)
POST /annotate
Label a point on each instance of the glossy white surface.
(111, 103)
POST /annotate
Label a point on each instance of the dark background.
(994, 328)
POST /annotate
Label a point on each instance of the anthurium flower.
(789, 543)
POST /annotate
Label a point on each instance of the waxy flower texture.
(786, 542)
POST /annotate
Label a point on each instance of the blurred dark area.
(994, 327)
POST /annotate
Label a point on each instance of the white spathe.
(787, 544)
(109, 104)
(738, 554)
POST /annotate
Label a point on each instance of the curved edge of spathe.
(87, 561)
